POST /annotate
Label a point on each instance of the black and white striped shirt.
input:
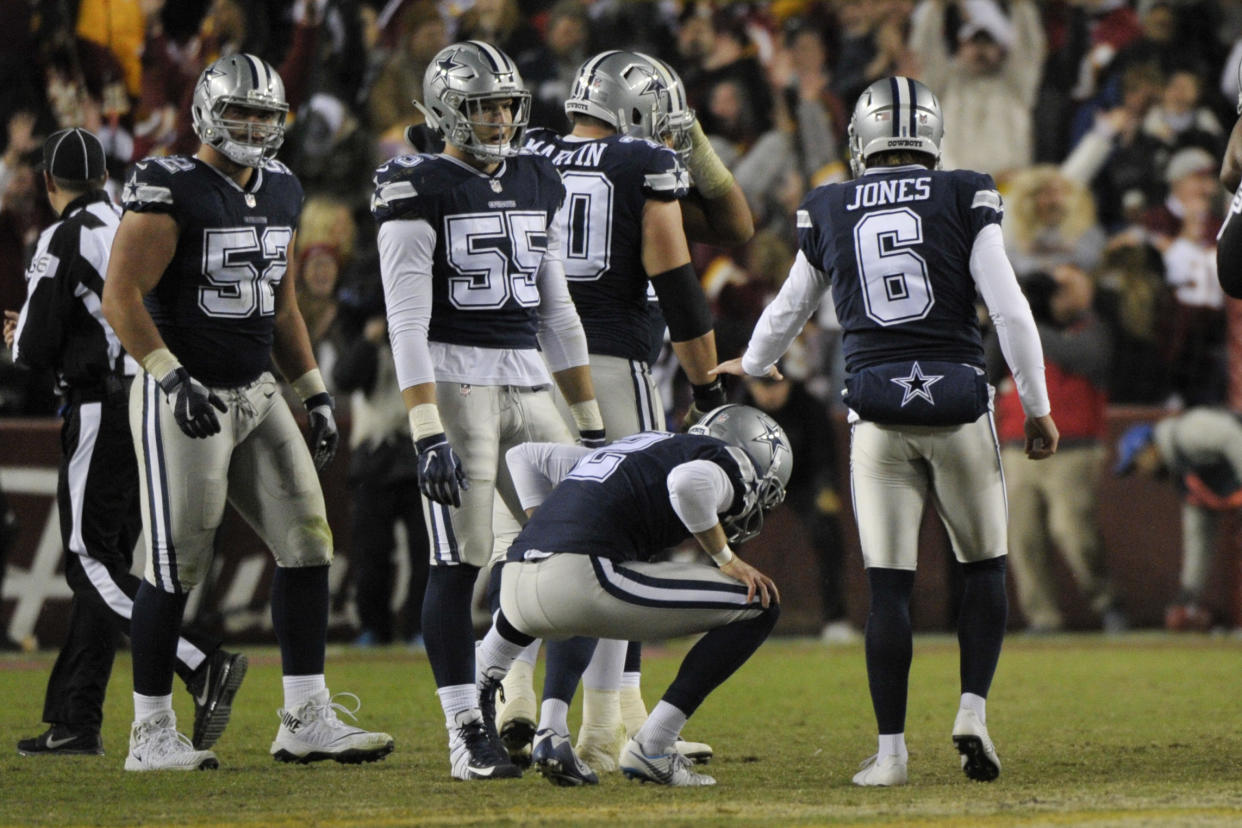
(61, 326)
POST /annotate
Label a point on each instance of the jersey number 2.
(894, 279)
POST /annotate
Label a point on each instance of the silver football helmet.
(895, 113)
(636, 94)
(240, 81)
(462, 78)
(763, 453)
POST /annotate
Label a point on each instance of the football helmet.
(763, 453)
(240, 80)
(895, 113)
(636, 94)
(459, 80)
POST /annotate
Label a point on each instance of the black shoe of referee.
(62, 740)
(213, 687)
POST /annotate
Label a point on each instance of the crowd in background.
(1102, 121)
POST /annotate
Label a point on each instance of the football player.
(196, 292)
(584, 566)
(470, 256)
(623, 233)
(905, 248)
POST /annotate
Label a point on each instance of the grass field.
(1141, 730)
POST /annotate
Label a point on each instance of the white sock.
(495, 654)
(531, 652)
(893, 744)
(146, 707)
(299, 689)
(458, 698)
(661, 729)
(554, 716)
(606, 666)
(976, 703)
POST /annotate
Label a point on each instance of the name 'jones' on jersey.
(608, 182)
(215, 304)
(491, 234)
(896, 244)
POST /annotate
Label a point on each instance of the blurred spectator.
(1110, 25)
(1050, 221)
(722, 74)
(813, 493)
(872, 44)
(989, 83)
(332, 151)
(550, 73)
(800, 74)
(421, 33)
(1056, 504)
(501, 23)
(1179, 119)
(1136, 303)
(1200, 452)
(326, 238)
(119, 26)
(1184, 230)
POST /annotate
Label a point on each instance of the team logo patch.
(917, 384)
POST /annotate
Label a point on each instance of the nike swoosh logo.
(482, 771)
(202, 699)
(53, 743)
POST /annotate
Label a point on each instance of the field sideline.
(1141, 730)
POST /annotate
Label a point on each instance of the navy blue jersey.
(491, 237)
(607, 182)
(896, 243)
(615, 503)
(215, 304)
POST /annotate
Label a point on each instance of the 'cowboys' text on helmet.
(227, 88)
(765, 454)
(895, 113)
(461, 81)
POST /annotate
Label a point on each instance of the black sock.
(154, 627)
(448, 629)
(300, 618)
(889, 646)
(511, 633)
(981, 623)
(633, 657)
(717, 656)
(566, 662)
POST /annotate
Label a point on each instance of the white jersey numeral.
(475, 245)
(601, 463)
(237, 286)
(586, 218)
(895, 284)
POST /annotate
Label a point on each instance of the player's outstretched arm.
(716, 211)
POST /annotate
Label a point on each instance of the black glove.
(592, 438)
(440, 474)
(323, 432)
(707, 397)
(192, 403)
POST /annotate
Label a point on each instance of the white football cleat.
(699, 753)
(311, 732)
(670, 768)
(882, 772)
(474, 753)
(970, 737)
(155, 744)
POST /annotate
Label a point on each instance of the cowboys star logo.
(772, 436)
(917, 384)
(209, 75)
(448, 65)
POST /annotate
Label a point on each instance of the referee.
(61, 327)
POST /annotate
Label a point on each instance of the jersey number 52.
(242, 268)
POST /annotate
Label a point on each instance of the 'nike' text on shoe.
(155, 744)
(664, 769)
(312, 732)
(213, 688)
(62, 740)
(882, 772)
(970, 737)
(555, 759)
(473, 753)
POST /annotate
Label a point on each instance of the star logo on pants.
(917, 384)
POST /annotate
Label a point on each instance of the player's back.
(615, 501)
(608, 181)
(215, 304)
(896, 243)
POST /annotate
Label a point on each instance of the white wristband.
(586, 415)
(309, 384)
(160, 363)
(425, 421)
(724, 556)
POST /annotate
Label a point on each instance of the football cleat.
(474, 755)
(155, 744)
(670, 768)
(599, 746)
(699, 753)
(970, 737)
(61, 740)
(213, 687)
(516, 713)
(311, 732)
(553, 756)
(882, 772)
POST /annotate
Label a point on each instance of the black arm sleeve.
(682, 302)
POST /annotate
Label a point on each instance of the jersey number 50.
(242, 269)
(894, 279)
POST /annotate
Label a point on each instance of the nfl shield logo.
(250, 199)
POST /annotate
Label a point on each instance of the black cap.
(74, 155)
